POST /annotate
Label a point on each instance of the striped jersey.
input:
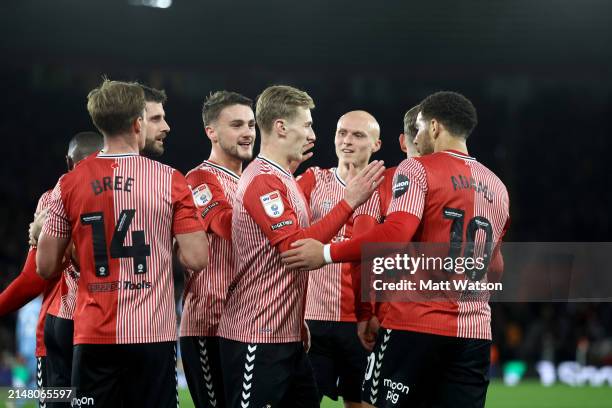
(330, 294)
(265, 301)
(375, 207)
(122, 211)
(214, 188)
(456, 198)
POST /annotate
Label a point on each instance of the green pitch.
(525, 395)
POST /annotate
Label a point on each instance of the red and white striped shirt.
(214, 188)
(265, 302)
(122, 211)
(437, 189)
(330, 293)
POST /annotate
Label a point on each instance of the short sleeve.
(409, 188)
(57, 223)
(184, 218)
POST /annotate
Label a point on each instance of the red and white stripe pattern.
(330, 296)
(265, 302)
(124, 307)
(434, 187)
(205, 291)
(68, 292)
(474, 315)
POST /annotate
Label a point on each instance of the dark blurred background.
(539, 73)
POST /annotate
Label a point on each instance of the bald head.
(82, 145)
(360, 120)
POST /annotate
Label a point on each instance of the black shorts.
(200, 356)
(128, 375)
(41, 377)
(58, 342)
(338, 359)
(267, 375)
(410, 369)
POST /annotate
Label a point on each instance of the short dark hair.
(83, 144)
(410, 128)
(453, 110)
(154, 95)
(217, 101)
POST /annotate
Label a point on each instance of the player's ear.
(280, 127)
(137, 125)
(434, 128)
(402, 142)
(377, 144)
(210, 132)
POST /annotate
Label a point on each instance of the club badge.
(273, 204)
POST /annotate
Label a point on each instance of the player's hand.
(360, 186)
(306, 337)
(306, 154)
(307, 254)
(367, 332)
(36, 226)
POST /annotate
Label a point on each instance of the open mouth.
(347, 151)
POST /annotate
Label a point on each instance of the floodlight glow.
(151, 3)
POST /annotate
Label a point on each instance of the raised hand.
(361, 185)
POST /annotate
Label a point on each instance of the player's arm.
(282, 227)
(187, 227)
(211, 203)
(26, 286)
(55, 236)
(402, 221)
(496, 266)
(307, 182)
(363, 309)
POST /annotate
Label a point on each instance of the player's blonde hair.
(115, 105)
(280, 102)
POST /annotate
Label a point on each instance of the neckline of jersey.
(224, 169)
(273, 163)
(115, 155)
(335, 171)
(457, 153)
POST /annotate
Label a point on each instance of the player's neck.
(225, 160)
(343, 169)
(120, 144)
(276, 155)
(448, 142)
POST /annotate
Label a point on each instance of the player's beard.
(237, 152)
(151, 149)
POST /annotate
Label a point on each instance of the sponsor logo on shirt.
(400, 186)
(273, 204)
(201, 195)
(209, 207)
(281, 224)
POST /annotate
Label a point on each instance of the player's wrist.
(327, 254)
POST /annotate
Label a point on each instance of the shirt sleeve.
(266, 200)
(212, 205)
(371, 208)
(307, 182)
(184, 219)
(57, 224)
(364, 308)
(26, 286)
(409, 188)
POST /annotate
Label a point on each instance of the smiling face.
(357, 137)
(299, 133)
(234, 131)
(156, 129)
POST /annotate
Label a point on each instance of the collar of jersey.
(335, 171)
(459, 154)
(223, 169)
(105, 155)
(272, 163)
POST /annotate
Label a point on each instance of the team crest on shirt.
(202, 195)
(273, 204)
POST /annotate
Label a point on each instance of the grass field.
(526, 395)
